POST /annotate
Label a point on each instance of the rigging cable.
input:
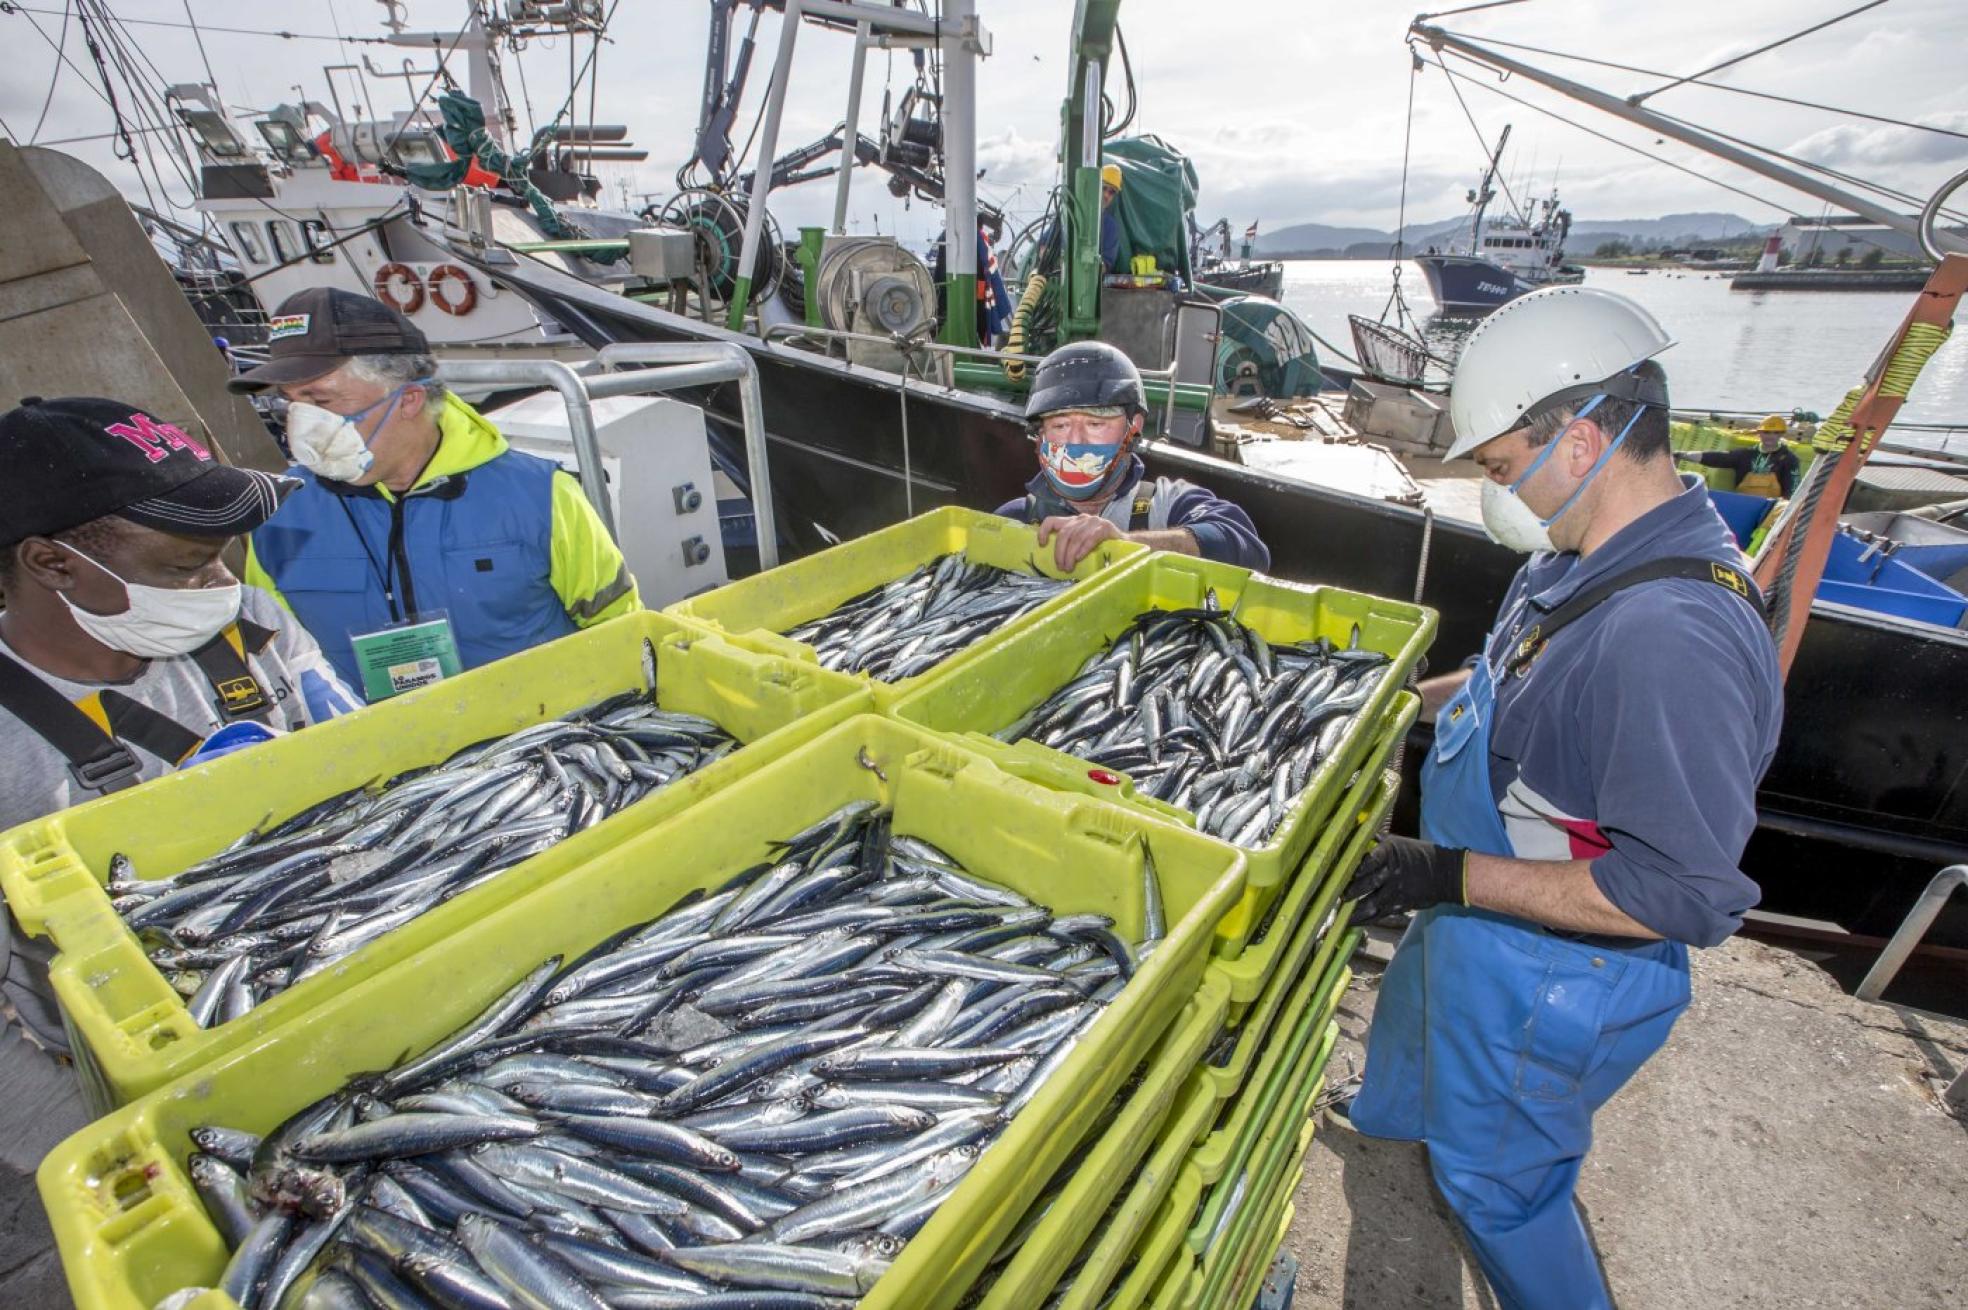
(11, 7)
(199, 37)
(438, 73)
(1501, 179)
(1635, 100)
(1127, 74)
(1793, 160)
(1719, 86)
(1395, 300)
(1644, 154)
(55, 79)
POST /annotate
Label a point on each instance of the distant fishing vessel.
(1516, 254)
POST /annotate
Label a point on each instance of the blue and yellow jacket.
(502, 542)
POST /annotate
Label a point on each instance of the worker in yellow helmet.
(1110, 222)
(1767, 469)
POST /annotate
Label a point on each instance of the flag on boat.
(1250, 233)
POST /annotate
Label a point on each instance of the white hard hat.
(1528, 351)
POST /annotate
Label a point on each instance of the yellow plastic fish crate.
(1082, 1203)
(757, 611)
(1245, 1290)
(1251, 1237)
(1163, 1260)
(1151, 1185)
(1240, 1282)
(1018, 673)
(131, 1229)
(1281, 1068)
(132, 1030)
(1306, 958)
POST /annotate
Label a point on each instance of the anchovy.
(361, 864)
(1208, 716)
(903, 628)
(702, 1110)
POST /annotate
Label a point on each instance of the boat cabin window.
(320, 241)
(286, 246)
(248, 244)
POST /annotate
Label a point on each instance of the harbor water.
(1750, 351)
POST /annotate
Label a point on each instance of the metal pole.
(751, 410)
(775, 104)
(851, 130)
(580, 415)
(1438, 39)
(960, 40)
(1918, 921)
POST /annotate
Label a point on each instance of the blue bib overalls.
(1494, 1041)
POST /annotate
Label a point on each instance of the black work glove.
(1400, 874)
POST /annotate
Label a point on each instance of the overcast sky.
(1293, 110)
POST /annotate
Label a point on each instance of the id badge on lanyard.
(405, 656)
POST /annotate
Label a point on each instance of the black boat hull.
(1867, 796)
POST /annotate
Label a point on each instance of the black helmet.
(1085, 375)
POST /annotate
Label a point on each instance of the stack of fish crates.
(1186, 1191)
(1157, 1164)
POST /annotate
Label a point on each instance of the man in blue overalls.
(1590, 791)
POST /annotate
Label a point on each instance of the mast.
(1438, 40)
(1483, 193)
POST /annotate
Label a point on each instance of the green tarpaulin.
(1158, 189)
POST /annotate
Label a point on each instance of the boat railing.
(653, 367)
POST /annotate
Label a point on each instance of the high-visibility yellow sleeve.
(257, 576)
(588, 572)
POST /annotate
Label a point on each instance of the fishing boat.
(1514, 254)
(1217, 267)
(875, 409)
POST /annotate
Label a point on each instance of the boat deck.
(1310, 440)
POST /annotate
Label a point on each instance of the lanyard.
(382, 570)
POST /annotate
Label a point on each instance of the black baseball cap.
(68, 461)
(314, 332)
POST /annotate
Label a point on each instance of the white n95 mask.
(1511, 523)
(331, 445)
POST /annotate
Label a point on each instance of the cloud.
(1859, 146)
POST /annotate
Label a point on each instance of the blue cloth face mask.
(1079, 470)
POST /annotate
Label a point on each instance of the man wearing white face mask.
(124, 645)
(420, 544)
(1588, 797)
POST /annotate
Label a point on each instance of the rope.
(1922, 341)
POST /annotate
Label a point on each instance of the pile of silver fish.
(906, 626)
(753, 1101)
(1204, 714)
(278, 906)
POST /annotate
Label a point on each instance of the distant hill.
(1324, 240)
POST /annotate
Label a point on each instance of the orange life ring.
(385, 287)
(467, 299)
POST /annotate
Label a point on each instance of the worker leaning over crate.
(1588, 797)
(126, 648)
(1086, 412)
(420, 544)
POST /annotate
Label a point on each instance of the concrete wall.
(87, 308)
